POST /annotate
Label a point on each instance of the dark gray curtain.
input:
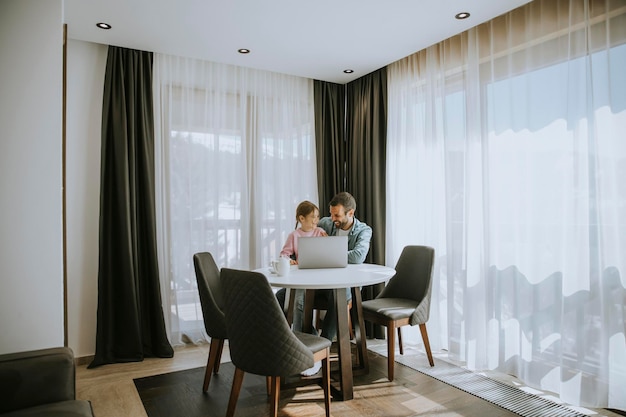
(366, 136)
(366, 140)
(330, 144)
(351, 137)
(130, 315)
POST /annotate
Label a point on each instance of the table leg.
(309, 298)
(290, 295)
(359, 331)
(343, 346)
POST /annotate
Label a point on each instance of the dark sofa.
(40, 383)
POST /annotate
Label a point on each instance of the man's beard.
(341, 225)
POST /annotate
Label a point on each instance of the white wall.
(31, 236)
(86, 63)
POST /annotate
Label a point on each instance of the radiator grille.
(503, 395)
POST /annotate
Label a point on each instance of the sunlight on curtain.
(506, 154)
(235, 155)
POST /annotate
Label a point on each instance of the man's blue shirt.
(358, 238)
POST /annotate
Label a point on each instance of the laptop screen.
(323, 252)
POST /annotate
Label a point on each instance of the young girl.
(307, 216)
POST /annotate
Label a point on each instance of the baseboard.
(84, 360)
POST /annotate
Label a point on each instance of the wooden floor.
(112, 392)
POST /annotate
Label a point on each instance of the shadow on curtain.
(130, 315)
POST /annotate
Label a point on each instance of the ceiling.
(316, 39)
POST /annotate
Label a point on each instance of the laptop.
(323, 252)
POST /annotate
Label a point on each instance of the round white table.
(354, 276)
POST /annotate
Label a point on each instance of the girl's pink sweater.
(291, 244)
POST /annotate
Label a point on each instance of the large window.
(506, 154)
(236, 157)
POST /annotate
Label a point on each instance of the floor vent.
(496, 392)
(499, 393)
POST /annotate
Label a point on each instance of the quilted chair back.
(260, 340)
(413, 280)
(210, 291)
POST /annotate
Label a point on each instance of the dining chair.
(210, 291)
(405, 300)
(261, 342)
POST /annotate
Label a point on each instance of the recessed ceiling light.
(462, 15)
(103, 25)
(348, 71)
(243, 51)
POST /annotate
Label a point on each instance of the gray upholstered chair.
(405, 300)
(210, 291)
(40, 383)
(260, 340)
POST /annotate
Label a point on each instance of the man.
(341, 222)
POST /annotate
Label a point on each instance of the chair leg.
(218, 359)
(391, 348)
(213, 362)
(426, 344)
(234, 392)
(275, 397)
(400, 340)
(326, 382)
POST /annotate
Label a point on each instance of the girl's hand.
(293, 262)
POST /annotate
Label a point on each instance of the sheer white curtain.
(507, 154)
(235, 155)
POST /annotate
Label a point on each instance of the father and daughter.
(341, 222)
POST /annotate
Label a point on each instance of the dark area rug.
(179, 394)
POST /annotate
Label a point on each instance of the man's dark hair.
(345, 199)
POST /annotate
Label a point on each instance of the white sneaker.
(312, 371)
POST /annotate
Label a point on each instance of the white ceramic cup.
(282, 266)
